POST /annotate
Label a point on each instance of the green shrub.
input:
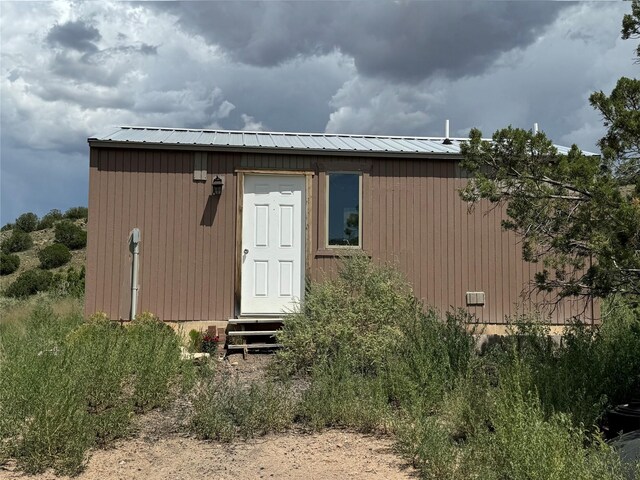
(524, 444)
(224, 408)
(7, 226)
(69, 283)
(360, 313)
(44, 423)
(431, 355)
(104, 360)
(339, 397)
(48, 220)
(71, 235)
(66, 385)
(57, 435)
(19, 241)
(155, 357)
(76, 213)
(27, 222)
(422, 440)
(505, 434)
(195, 341)
(53, 256)
(593, 368)
(8, 263)
(29, 282)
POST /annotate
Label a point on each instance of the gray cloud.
(78, 57)
(401, 41)
(369, 67)
(104, 67)
(81, 70)
(548, 82)
(72, 94)
(78, 35)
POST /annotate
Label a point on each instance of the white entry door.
(273, 243)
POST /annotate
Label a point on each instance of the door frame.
(308, 254)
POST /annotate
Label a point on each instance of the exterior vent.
(475, 299)
(200, 167)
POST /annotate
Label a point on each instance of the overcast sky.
(73, 69)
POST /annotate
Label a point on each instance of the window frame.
(326, 205)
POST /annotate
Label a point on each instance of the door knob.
(246, 250)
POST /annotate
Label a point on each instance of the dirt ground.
(161, 449)
(328, 455)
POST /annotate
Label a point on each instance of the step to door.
(256, 320)
(252, 333)
(254, 346)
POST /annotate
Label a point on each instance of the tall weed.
(66, 385)
(431, 354)
(359, 313)
(427, 444)
(102, 353)
(224, 408)
(592, 369)
(155, 361)
(523, 443)
(44, 420)
(338, 396)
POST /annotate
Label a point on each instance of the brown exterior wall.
(412, 217)
(187, 249)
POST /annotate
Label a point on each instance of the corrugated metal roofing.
(307, 142)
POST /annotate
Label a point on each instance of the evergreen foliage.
(71, 235)
(54, 256)
(569, 209)
(578, 214)
(49, 219)
(27, 222)
(29, 282)
(9, 263)
(76, 213)
(18, 241)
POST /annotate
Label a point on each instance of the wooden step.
(250, 346)
(247, 333)
(248, 321)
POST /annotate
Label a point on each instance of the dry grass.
(16, 311)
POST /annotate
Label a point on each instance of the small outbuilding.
(232, 224)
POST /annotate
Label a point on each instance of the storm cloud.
(72, 69)
(77, 35)
(401, 41)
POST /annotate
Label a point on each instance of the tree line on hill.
(67, 236)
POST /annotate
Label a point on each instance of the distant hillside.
(29, 258)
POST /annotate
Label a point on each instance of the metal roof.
(284, 141)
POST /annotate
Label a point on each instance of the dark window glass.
(344, 209)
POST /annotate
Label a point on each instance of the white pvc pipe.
(446, 129)
(135, 249)
(535, 128)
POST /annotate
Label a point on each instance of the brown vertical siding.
(412, 217)
(187, 250)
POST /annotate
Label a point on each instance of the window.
(343, 210)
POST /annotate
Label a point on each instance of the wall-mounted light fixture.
(217, 186)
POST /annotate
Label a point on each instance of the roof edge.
(97, 143)
(269, 132)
